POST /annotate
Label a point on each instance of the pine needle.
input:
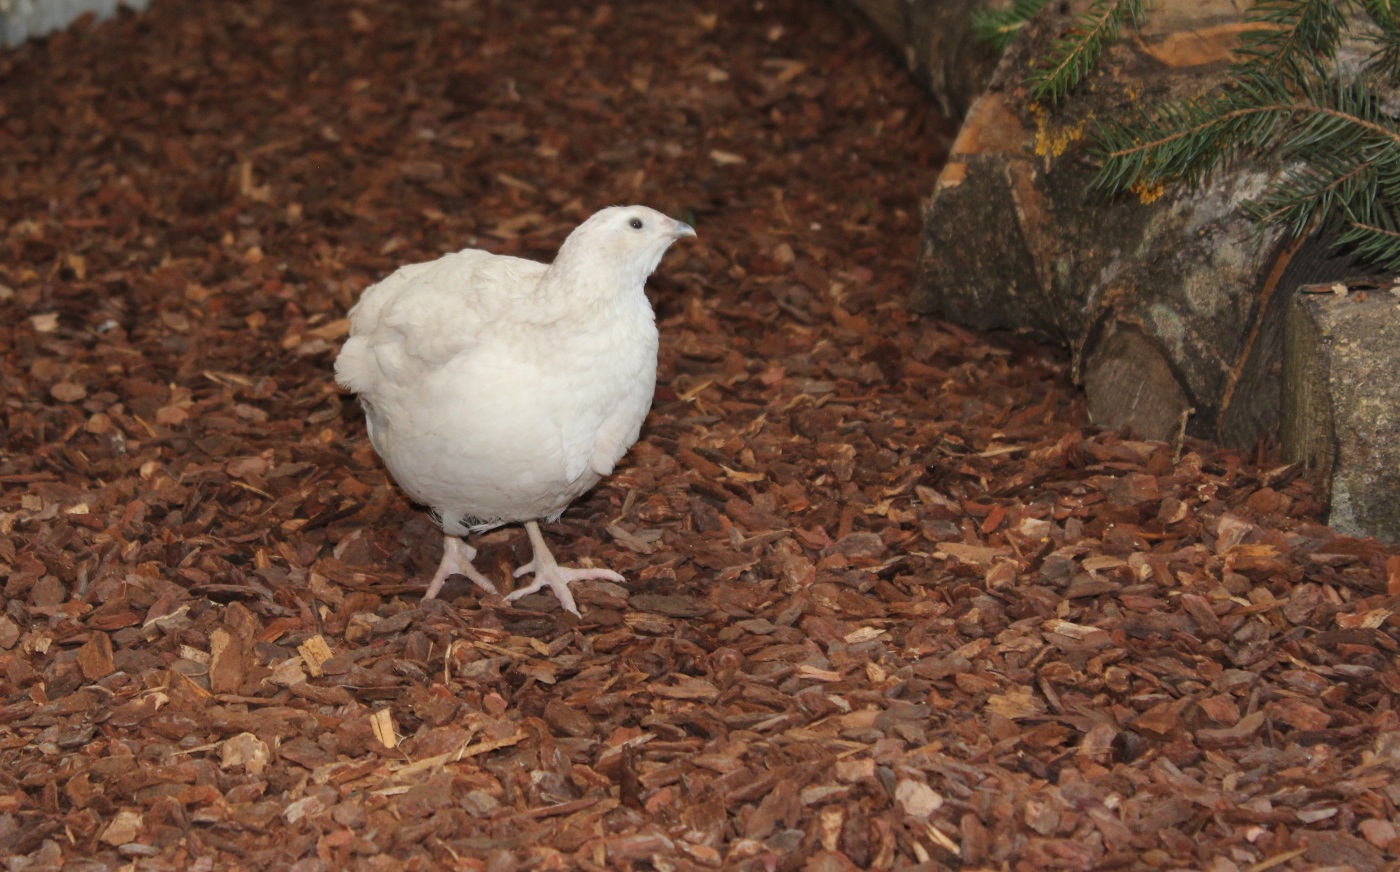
(997, 27)
(1340, 150)
(1284, 105)
(1073, 56)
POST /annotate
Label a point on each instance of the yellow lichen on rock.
(1051, 142)
(1147, 193)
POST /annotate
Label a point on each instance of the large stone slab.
(1342, 403)
(26, 19)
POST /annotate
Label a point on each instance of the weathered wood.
(1171, 301)
(1132, 383)
(935, 38)
(1341, 412)
(1151, 296)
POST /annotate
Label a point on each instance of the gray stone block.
(1341, 404)
(25, 19)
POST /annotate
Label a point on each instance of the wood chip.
(315, 652)
(123, 828)
(95, 657)
(888, 601)
(245, 751)
(382, 722)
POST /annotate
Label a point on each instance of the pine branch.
(1313, 191)
(1386, 17)
(1284, 103)
(1378, 244)
(1294, 37)
(1340, 116)
(1073, 56)
(1376, 205)
(1187, 141)
(997, 27)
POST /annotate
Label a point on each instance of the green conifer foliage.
(1288, 100)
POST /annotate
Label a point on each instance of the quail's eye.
(635, 223)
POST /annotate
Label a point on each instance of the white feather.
(498, 389)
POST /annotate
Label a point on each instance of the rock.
(1173, 303)
(1341, 415)
(1167, 299)
(37, 18)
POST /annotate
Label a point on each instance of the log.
(1169, 301)
(1182, 316)
(935, 39)
(1341, 412)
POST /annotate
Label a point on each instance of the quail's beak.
(682, 229)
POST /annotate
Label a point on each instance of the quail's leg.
(457, 557)
(551, 575)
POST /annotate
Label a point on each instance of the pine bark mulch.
(890, 604)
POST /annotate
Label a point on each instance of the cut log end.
(1130, 385)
